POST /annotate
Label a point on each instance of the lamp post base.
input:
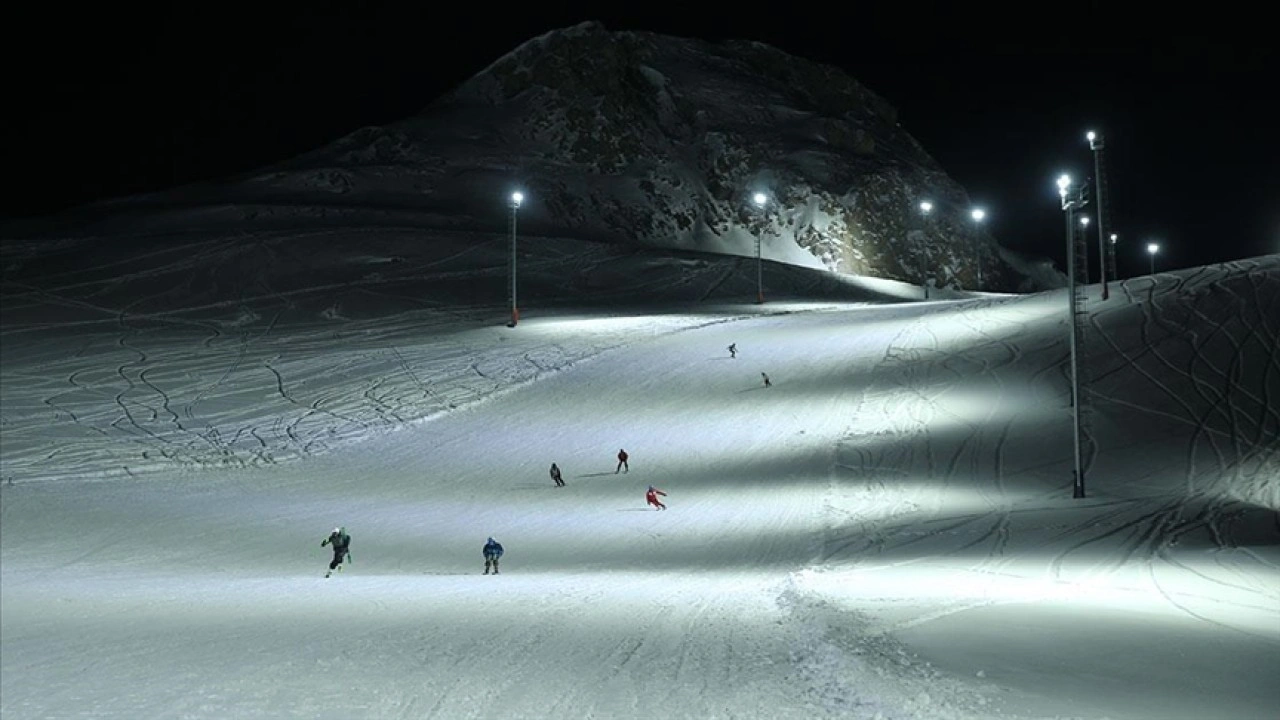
(760, 298)
(515, 317)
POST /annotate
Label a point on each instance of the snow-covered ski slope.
(887, 532)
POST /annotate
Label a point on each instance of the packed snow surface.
(886, 532)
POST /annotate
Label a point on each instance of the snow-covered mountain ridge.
(661, 141)
(636, 139)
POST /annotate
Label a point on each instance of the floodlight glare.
(926, 206)
(978, 214)
(517, 198)
(760, 199)
(1113, 238)
(1084, 220)
(1153, 248)
(1090, 135)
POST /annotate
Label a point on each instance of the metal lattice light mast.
(1096, 145)
(1111, 258)
(516, 199)
(1084, 228)
(978, 215)
(760, 199)
(925, 208)
(1073, 198)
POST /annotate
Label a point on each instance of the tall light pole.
(926, 207)
(1111, 258)
(978, 214)
(516, 199)
(1072, 198)
(760, 199)
(1096, 145)
(1084, 238)
(1152, 249)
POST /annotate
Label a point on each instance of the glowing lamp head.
(1084, 220)
(1113, 238)
(926, 207)
(1091, 136)
(516, 199)
(1153, 248)
(760, 199)
(1064, 182)
(978, 214)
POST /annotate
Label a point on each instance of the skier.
(492, 551)
(555, 475)
(733, 350)
(341, 543)
(622, 462)
(766, 380)
(651, 497)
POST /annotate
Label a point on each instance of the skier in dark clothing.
(341, 543)
(555, 475)
(622, 462)
(733, 350)
(766, 380)
(492, 551)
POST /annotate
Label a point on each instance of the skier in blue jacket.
(492, 551)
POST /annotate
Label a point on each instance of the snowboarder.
(492, 551)
(555, 475)
(651, 497)
(622, 462)
(766, 380)
(341, 543)
(733, 350)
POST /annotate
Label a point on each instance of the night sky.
(124, 101)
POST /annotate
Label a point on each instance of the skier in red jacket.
(622, 462)
(651, 497)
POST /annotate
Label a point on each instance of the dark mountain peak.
(643, 139)
(589, 60)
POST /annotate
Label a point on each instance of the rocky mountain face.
(656, 141)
